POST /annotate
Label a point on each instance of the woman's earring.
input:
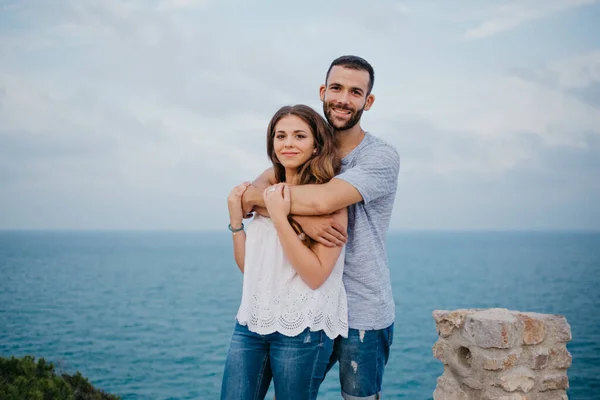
(315, 151)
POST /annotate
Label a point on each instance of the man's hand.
(323, 229)
(253, 197)
(234, 203)
(248, 200)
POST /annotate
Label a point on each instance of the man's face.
(345, 97)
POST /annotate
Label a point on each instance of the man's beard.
(354, 118)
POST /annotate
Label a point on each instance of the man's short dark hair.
(354, 62)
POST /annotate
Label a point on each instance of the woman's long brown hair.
(318, 169)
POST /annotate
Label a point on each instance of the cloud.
(542, 101)
(577, 76)
(183, 4)
(510, 151)
(136, 115)
(514, 13)
(385, 17)
(589, 94)
(474, 182)
(518, 105)
(576, 72)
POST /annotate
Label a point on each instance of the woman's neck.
(291, 175)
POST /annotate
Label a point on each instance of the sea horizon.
(149, 314)
(391, 231)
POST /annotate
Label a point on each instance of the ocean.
(149, 315)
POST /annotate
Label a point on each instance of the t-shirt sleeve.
(375, 173)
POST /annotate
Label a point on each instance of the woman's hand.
(234, 203)
(277, 201)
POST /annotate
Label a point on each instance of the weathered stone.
(534, 331)
(447, 322)
(457, 318)
(464, 356)
(445, 329)
(439, 314)
(560, 358)
(459, 361)
(493, 364)
(439, 349)
(558, 328)
(554, 382)
(473, 383)
(510, 361)
(540, 358)
(552, 395)
(512, 396)
(500, 363)
(448, 389)
(494, 328)
(492, 355)
(518, 379)
(499, 394)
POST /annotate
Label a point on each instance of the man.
(367, 186)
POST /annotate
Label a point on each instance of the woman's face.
(293, 142)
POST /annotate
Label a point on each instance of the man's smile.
(342, 112)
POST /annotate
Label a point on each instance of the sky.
(143, 114)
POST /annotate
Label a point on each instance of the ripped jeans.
(296, 364)
(362, 358)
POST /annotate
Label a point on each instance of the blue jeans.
(362, 357)
(296, 364)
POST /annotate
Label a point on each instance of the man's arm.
(266, 179)
(323, 229)
(374, 175)
(323, 199)
(306, 199)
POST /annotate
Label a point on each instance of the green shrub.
(26, 379)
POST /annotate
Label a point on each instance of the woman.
(293, 301)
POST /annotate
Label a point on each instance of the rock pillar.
(497, 354)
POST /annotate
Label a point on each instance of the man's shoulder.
(380, 147)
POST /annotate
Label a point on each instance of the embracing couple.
(316, 285)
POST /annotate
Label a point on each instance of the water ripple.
(150, 315)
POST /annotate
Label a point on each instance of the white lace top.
(275, 299)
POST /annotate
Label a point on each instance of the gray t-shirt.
(372, 168)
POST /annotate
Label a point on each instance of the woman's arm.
(314, 266)
(239, 247)
(253, 197)
(234, 203)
